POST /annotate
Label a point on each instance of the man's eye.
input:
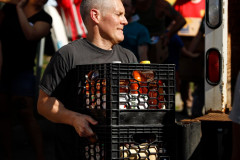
(119, 14)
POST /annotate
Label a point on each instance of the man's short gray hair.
(87, 5)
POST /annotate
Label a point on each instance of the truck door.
(217, 92)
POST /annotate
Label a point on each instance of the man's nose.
(125, 22)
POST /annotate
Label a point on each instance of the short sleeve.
(54, 74)
(46, 17)
(41, 16)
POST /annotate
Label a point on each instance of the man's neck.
(101, 43)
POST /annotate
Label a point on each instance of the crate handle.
(144, 138)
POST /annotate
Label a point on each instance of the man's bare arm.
(54, 110)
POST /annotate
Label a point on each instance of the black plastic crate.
(121, 94)
(130, 142)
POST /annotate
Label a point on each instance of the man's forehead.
(114, 2)
(115, 5)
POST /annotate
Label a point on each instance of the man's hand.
(52, 109)
(81, 124)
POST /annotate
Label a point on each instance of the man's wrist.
(73, 118)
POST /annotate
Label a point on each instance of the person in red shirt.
(190, 8)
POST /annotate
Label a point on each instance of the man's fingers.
(82, 125)
(88, 132)
(91, 120)
(84, 130)
(93, 138)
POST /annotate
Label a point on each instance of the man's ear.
(95, 15)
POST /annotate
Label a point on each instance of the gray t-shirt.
(60, 81)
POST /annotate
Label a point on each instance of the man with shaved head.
(104, 20)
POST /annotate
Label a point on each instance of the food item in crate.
(95, 91)
(142, 81)
(94, 151)
(151, 89)
(124, 94)
(156, 97)
(145, 62)
(124, 153)
(137, 100)
(141, 92)
(144, 151)
(129, 97)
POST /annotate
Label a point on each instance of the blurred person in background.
(136, 35)
(176, 49)
(194, 100)
(153, 14)
(22, 25)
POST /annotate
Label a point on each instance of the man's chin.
(121, 39)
